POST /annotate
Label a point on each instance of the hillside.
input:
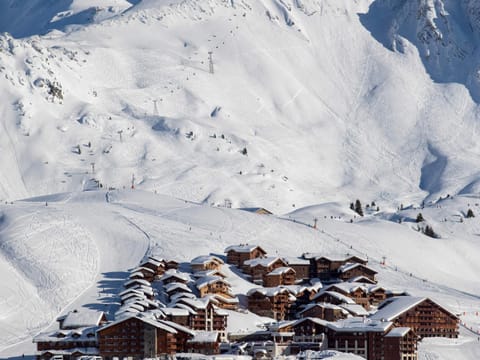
(70, 250)
(304, 106)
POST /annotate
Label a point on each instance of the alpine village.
(315, 302)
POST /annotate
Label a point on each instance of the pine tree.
(428, 230)
(352, 207)
(470, 213)
(419, 218)
(358, 207)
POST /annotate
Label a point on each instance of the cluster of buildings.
(315, 302)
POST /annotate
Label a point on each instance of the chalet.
(332, 297)
(204, 342)
(173, 275)
(134, 282)
(139, 337)
(324, 311)
(213, 285)
(200, 274)
(75, 337)
(148, 273)
(400, 344)
(222, 301)
(157, 265)
(271, 302)
(326, 267)
(204, 315)
(363, 294)
(259, 267)
(206, 262)
(424, 316)
(353, 270)
(238, 254)
(368, 339)
(279, 276)
(173, 288)
(177, 315)
(257, 210)
(301, 267)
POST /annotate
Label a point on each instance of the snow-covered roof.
(78, 334)
(168, 326)
(355, 309)
(393, 307)
(180, 295)
(131, 291)
(176, 286)
(202, 273)
(268, 291)
(336, 295)
(265, 262)
(221, 298)
(143, 268)
(136, 274)
(149, 260)
(360, 324)
(361, 279)
(204, 337)
(77, 350)
(281, 270)
(207, 280)
(312, 319)
(136, 281)
(82, 318)
(398, 332)
(291, 260)
(176, 274)
(333, 256)
(205, 259)
(243, 248)
(351, 266)
(175, 311)
(322, 305)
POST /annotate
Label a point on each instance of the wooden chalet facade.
(258, 268)
(213, 285)
(206, 262)
(353, 270)
(280, 276)
(138, 338)
(75, 337)
(271, 302)
(238, 254)
(425, 317)
(204, 342)
(301, 267)
(326, 268)
(323, 311)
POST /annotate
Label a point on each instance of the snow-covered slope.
(304, 104)
(69, 250)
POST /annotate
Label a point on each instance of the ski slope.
(74, 249)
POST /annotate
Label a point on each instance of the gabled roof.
(204, 337)
(336, 295)
(243, 248)
(264, 262)
(82, 318)
(281, 270)
(291, 260)
(398, 332)
(131, 282)
(360, 324)
(361, 279)
(208, 280)
(142, 268)
(175, 311)
(168, 326)
(351, 266)
(324, 306)
(176, 286)
(311, 319)
(79, 334)
(257, 210)
(393, 307)
(334, 257)
(355, 309)
(268, 291)
(205, 259)
(202, 273)
(175, 274)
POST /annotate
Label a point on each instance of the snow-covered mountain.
(298, 106)
(304, 105)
